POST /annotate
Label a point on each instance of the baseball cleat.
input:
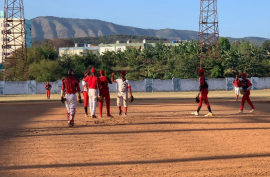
(120, 113)
(209, 114)
(240, 112)
(86, 115)
(252, 110)
(195, 113)
(94, 116)
(125, 114)
(110, 116)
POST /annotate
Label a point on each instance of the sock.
(125, 109)
(209, 109)
(199, 108)
(237, 96)
(85, 110)
(120, 108)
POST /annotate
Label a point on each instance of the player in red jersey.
(204, 94)
(70, 86)
(93, 92)
(48, 88)
(236, 84)
(246, 86)
(104, 92)
(85, 93)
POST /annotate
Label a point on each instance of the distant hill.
(54, 27)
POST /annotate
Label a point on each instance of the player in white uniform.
(123, 88)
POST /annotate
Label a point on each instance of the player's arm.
(109, 80)
(113, 80)
(129, 88)
(78, 89)
(249, 85)
(62, 92)
(98, 83)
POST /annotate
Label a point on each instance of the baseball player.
(48, 88)
(70, 86)
(123, 87)
(85, 93)
(236, 84)
(104, 92)
(92, 92)
(204, 93)
(246, 86)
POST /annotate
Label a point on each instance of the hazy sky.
(237, 18)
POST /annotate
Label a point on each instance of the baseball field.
(159, 137)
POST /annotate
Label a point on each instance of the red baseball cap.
(123, 72)
(102, 72)
(243, 74)
(201, 71)
(93, 70)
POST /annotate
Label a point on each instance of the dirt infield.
(159, 137)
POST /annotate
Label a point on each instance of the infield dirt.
(159, 137)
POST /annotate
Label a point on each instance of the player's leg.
(236, 92)
(196, 113)
(67, 107)
(49, 94)
(125, 98)
(119, 104)
(100, 107)
(95, 93)
(243, 103)
(72, 108)
(91, 103)
(207, 104)
(108, 104)
(86, 102)
(250, 103)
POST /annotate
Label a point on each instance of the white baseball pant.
(236, 89)
(92, 93)
(71, 103)
(122, 99)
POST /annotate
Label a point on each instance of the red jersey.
(103, 83)
(203, 83)
(92, 82)
(71, 85)
(236, 83)
(245, 84)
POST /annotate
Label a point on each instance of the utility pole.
(208, 31)
(14, 53)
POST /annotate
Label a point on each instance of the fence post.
(32, 87)
(2, 83)
(148, 85)
(176, 84)
(254, 81)
(229, 83)
(59, 86)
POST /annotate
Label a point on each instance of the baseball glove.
(79, 99)
(131, 99)
(197, 99)
(100, 98)
(243, 92)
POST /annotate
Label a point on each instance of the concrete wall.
(162, 85)
(147, 85)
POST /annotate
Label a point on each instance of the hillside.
(54, 27)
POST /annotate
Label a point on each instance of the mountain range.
(49, 27)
